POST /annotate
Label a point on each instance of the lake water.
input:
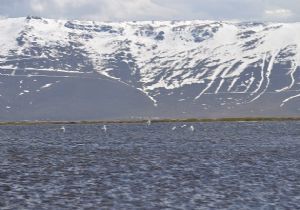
(238, 165)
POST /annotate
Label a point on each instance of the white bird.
(192, 128)
(174, 128)
(149, 122)
(104, 128)
(183, 126)
(63, 129)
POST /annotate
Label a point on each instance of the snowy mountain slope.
(184, 68)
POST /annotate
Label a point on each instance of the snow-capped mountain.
(60, 69)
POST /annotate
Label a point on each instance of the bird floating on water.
(63, 129)
(174, 128)
(149, 122)
(192, 128)
(183, 126)
(104, 128)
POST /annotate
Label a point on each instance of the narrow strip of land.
(184, 120)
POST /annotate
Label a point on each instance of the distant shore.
(186, 120)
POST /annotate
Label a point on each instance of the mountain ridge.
(183, 68)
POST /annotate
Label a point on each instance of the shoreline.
(187, 120)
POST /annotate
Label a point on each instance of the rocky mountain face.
(85, 70)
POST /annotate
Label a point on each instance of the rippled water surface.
(217, 166)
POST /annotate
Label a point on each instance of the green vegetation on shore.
(187, 120)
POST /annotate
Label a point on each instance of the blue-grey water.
(236, 165)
